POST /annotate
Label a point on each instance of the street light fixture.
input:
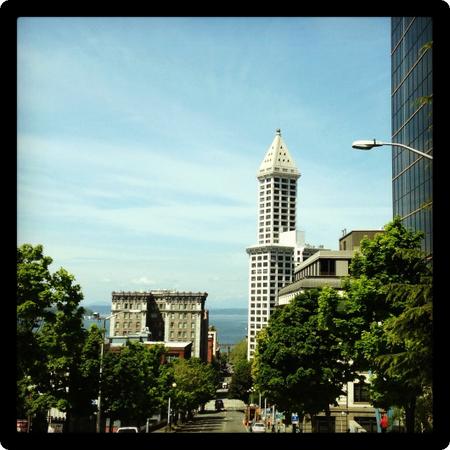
(174, 385)
(250, 397)
(368, 145)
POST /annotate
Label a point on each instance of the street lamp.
(99, 400)
(250, 397)
(174, 385)
(368, 145)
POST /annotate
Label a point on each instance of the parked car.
(127, 430)
(258, 427)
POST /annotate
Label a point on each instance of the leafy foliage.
(241, 381)
(389, 307)
(239, 352)
(299, 363)
(195, 382)
(130, 382)
(50, 339)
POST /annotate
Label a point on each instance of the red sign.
(22, 425)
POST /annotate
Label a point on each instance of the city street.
(229, 420)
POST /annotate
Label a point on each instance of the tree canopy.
(298, 362)
(131, 382)
(195, 382)
(52, 345)
(389, 309)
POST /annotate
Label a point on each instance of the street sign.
(294, 418)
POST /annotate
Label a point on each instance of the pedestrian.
(384, 423)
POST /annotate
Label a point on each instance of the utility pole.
(99, 400)
(273, 417)
(265, 411)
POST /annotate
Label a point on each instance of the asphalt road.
(230, 420)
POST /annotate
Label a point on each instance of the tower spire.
(278, 160)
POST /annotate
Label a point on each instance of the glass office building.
(412, 93)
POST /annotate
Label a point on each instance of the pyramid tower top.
(278, 160)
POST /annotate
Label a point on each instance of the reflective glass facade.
(412, 91)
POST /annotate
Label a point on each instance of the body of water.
(230, 323)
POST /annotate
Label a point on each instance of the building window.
(327, 267)
(361, 392)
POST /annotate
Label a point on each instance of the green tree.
(62, 339)
(299, 363)
(131, 385)
(219, 366)
(241, 380)
(238, 352)
(389, 311)
(50, 339)
(195, 382)
(34, 298)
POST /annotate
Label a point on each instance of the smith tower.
(271, 262)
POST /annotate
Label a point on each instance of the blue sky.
(139, 140)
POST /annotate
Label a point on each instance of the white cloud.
(143, 280)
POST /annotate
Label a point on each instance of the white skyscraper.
(280, 246)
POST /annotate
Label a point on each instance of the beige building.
(167, 316)
(352, 240)
(323, 268)
(327, 268)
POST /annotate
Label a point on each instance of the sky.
(139, 140)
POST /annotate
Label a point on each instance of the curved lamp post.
(368, 145)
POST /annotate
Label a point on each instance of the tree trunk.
(410, 413)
